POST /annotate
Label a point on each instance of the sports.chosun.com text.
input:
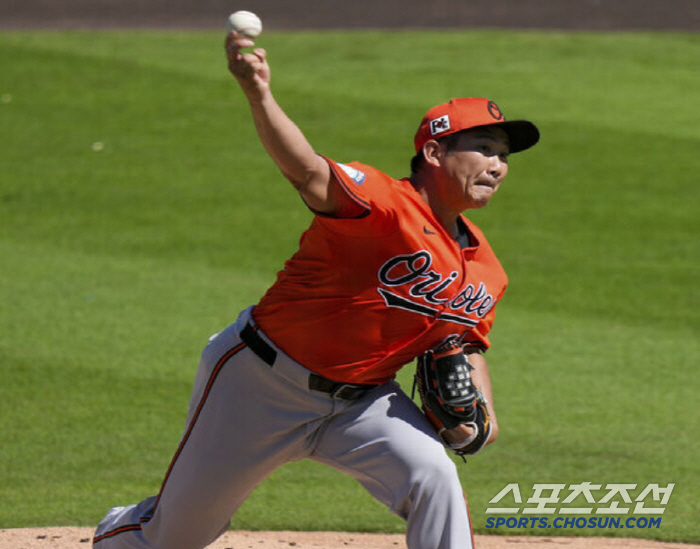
(573, 522)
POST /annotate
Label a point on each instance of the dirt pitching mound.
(81, 538)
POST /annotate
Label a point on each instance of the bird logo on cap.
(495, 111)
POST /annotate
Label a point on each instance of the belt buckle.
(348, 391)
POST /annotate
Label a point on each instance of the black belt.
(337, 389)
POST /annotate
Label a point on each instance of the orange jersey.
(364, 296)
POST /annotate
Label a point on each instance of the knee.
(433, 475)
(436, 472)
(430, 480)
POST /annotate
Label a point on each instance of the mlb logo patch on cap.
(440, 125)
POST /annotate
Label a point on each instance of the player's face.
(474, 169)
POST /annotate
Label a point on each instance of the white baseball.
(245, 23)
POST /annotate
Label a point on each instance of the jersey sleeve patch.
(351, 180)
(356, 175)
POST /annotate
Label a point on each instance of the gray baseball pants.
(247, 418)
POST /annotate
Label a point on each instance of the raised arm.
(283, 140)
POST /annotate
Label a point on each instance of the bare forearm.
(284, 141)
(482, 380)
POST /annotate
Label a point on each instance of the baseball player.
(389, 270)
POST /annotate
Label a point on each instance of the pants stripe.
(217, 369)
(120, 530)
(210, 383)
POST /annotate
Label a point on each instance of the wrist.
(256, 96)
(458, 436)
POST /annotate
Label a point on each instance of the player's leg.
(386, 443)
(245, 421)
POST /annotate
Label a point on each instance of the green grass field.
(138, 214)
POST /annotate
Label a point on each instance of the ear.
(432, 153)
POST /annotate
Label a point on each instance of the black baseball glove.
(449, 398)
